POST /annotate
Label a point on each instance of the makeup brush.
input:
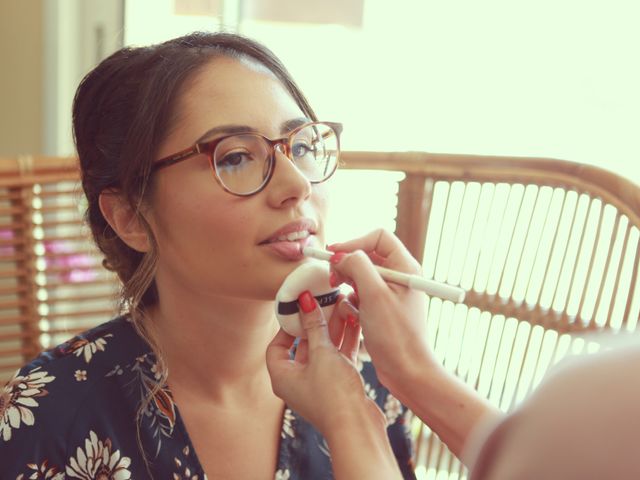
(430, 287)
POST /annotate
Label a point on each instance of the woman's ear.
(124, 220)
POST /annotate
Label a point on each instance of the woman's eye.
(300, 149)
(233, 159)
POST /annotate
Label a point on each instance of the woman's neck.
(216, 348)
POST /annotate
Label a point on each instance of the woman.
(201, 213)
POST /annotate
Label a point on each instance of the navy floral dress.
(71, 413)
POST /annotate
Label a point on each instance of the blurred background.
(556, 78)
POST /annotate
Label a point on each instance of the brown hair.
(121, 111)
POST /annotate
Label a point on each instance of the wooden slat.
(53, 316)
(22, 302)
(75, 222)
(62, 193)
(13, 210)
(31, 179)
(616, 285)
(413, 203)
(12, 290)
(12, 337)
(14, 242)
(105, 278)
(632, 287)
(66, 207)
(82, 298)
(6, 304)
(11, 353)
(22, 256)
(14, 226)
(21, 335)
(21, 241)
(30, 344)
(38, 165)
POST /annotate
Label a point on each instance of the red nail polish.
(333, 279)
(307, 302)
(336, 257)
(352, 320)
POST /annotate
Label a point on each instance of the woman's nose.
(288, 184)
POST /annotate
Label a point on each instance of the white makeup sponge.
(313, 276)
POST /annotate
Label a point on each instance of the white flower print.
(359, 364)
(158, 409)
(187, 474)
(370, 391)
(408, 418)
(81, 375)
(117, 370)
(98, 460)
(44, 471)
(18, 398)
(287, 424)
(155, 369)
(83, 346)
(392, 409)
(282, 474)
(324, 447)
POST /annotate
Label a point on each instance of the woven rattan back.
(547, 250)
(52, 283)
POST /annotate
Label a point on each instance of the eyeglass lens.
(243, 162)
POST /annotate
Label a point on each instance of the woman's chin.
(272, 287)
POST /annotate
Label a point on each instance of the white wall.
(77, 34)
(20, 81)
(556, 78)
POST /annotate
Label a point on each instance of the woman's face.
(210, 241)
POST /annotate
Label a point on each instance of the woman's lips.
(289, 250)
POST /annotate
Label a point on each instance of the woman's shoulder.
(43, 399)
(94, 350)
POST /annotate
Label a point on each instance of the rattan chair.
(52, 283)
(547, 249)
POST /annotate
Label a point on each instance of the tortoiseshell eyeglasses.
(244, 163)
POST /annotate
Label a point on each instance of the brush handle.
(416, 282)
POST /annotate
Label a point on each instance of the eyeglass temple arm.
(178, 157)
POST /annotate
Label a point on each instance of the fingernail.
(333, 279)
(330, 247)
(307, 302)
(354, 297)
(352, 320)
(336, 257)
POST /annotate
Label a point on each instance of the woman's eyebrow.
(289, 125)
(228, 129)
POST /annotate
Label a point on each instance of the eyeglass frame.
(208, 148)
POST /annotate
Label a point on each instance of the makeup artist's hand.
(393, 321)
(322, 384)
(393, 317)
